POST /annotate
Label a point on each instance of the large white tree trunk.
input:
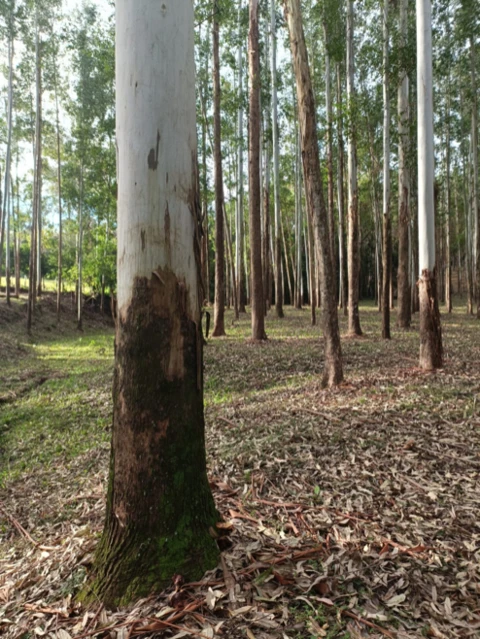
(430, 330)
(159, 510)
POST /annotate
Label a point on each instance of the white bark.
(426, 212)
(156, 138)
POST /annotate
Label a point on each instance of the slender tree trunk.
(333, 370)
(17, 235)
(298, 228)
(160, 513)
(257, 299)
(311, 270)
(431, 350)
(59, 182)
(266, 229)
(329, 110)
(476, 187)
(80, 255)
(219, 313)
(38, 147)
(387, 222)
(343, 277)
(285, 261)
(276, 169)
(404, 316)
(5, 223)
(239, 223)
(232, 263)
(448, 204)
(353, 218)
(34, 273)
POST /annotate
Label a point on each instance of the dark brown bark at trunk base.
(431, 349)
(160, 511)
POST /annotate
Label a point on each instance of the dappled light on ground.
(350, 512)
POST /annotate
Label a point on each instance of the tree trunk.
(266, 230)
(38, 150)
(448, 204)
(160, 512)
(80, 255)
(255, 207)
(333, 370)
(17, 236)
(219, 312)
(343, 277)
(353, 219)
(476, 196)
(387, 222)
(59, 181)
(232, 263)
(239, 222)
(431, 350)
(5, 224)
(404, 316)
(328, 101)
(276, 170)
(298, 227)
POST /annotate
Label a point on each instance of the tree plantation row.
(59, 182)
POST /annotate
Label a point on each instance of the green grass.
(57, 402)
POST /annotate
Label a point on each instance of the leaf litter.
(351, 512)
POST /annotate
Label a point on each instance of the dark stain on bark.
(153, 155)
(160, 508)
(142, 236)
(168, 245)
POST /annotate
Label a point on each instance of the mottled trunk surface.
(219, 312)
(159, 507)
(333, 369)
(255, 196)
(431, 350)
(160, 518)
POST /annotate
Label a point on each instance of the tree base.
(431, 348)
(161, 518)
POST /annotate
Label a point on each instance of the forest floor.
(354, 512)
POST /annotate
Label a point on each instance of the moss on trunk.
(161, 516)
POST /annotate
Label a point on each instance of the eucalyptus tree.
(353, 247)
(239, 220)
(160, 511)
(431, 349)
(219, 313)
(404, 314)
(5, 209)
(276, 174)
(254, 195)
(333, 369)
(387, 222)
